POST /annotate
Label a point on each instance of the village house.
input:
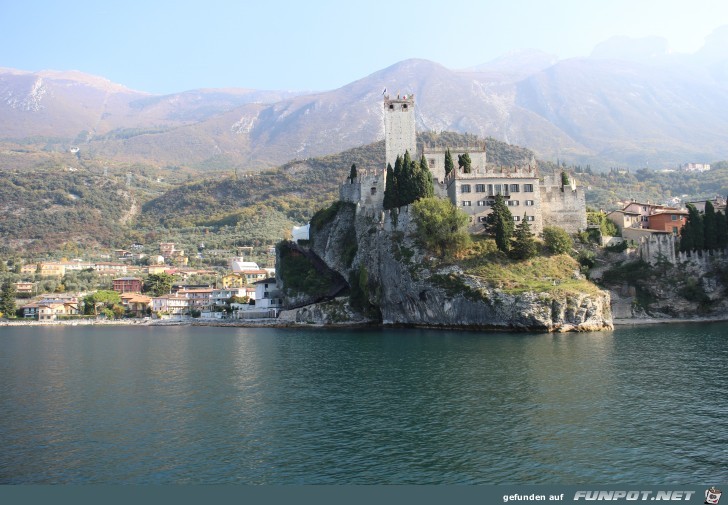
(136, 303)
(170, 304)
(670, 220)
(24, 288)
(30, 310)
(197, 299)
(127, 285)
(53, 309)
(649, 218)
(268, 295)
(109, 268)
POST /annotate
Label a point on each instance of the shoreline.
(276, 323)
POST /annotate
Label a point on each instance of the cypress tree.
(524, 246)
(721, 230)
(427, 184)
(691, 235)
(7, 299)
(352, 173)
(564, 179)
(390, 190)
(449, 165)
(499, 223)
(464, 163)
(710, 230)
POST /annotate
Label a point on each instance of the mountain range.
(631, 102)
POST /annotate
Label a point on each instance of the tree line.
(407, 182)
(704, 232)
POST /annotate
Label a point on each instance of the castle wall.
(563, 207)
(367, 189)
(435, 157)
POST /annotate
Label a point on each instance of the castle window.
(466, 203)
(391, 106)
(432, 162)
(480, 188)
(465, 188)
(529, 203)
(374, 191)
(514, 188)
(513, 203)
(404, 106)
(528, 188)
(530, 218)
(516, 218)
(497, 189)
(482, 219)
(481, 203)
(490, 190)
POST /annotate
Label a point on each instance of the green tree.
(390, 190)
(7, 299)
(465, 163)
(449, 165)
(524, 245)
(442, 227)
(721, 230)
(104, 298)
(426, 184)
(159, 284)
(564, 179)
(691, 235)
(557, 240)
(710, 228)
(499, 224)
(352, 173)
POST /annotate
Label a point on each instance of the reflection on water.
(266, 406)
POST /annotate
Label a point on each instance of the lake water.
(172, 405)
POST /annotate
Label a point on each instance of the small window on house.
(481, 203)
(432, 162)
(529, 203)
(530, 218)
(374, 191)
(480, 188)
(465, 188)
(528, 188)
(466, 203)
(674, 217)
(515, 188)
(516, 218)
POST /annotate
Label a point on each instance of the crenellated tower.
(399, 127)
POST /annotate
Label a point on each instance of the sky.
(162, 47)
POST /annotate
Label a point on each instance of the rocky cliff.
(389, 274)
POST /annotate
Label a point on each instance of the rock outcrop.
(392, 274)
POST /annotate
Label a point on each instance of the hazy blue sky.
(170, 46)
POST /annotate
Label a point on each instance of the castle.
(541, 201)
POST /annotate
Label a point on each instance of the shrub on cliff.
(557, 240)
(442, 227)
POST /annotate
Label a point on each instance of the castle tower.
(399, 127)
